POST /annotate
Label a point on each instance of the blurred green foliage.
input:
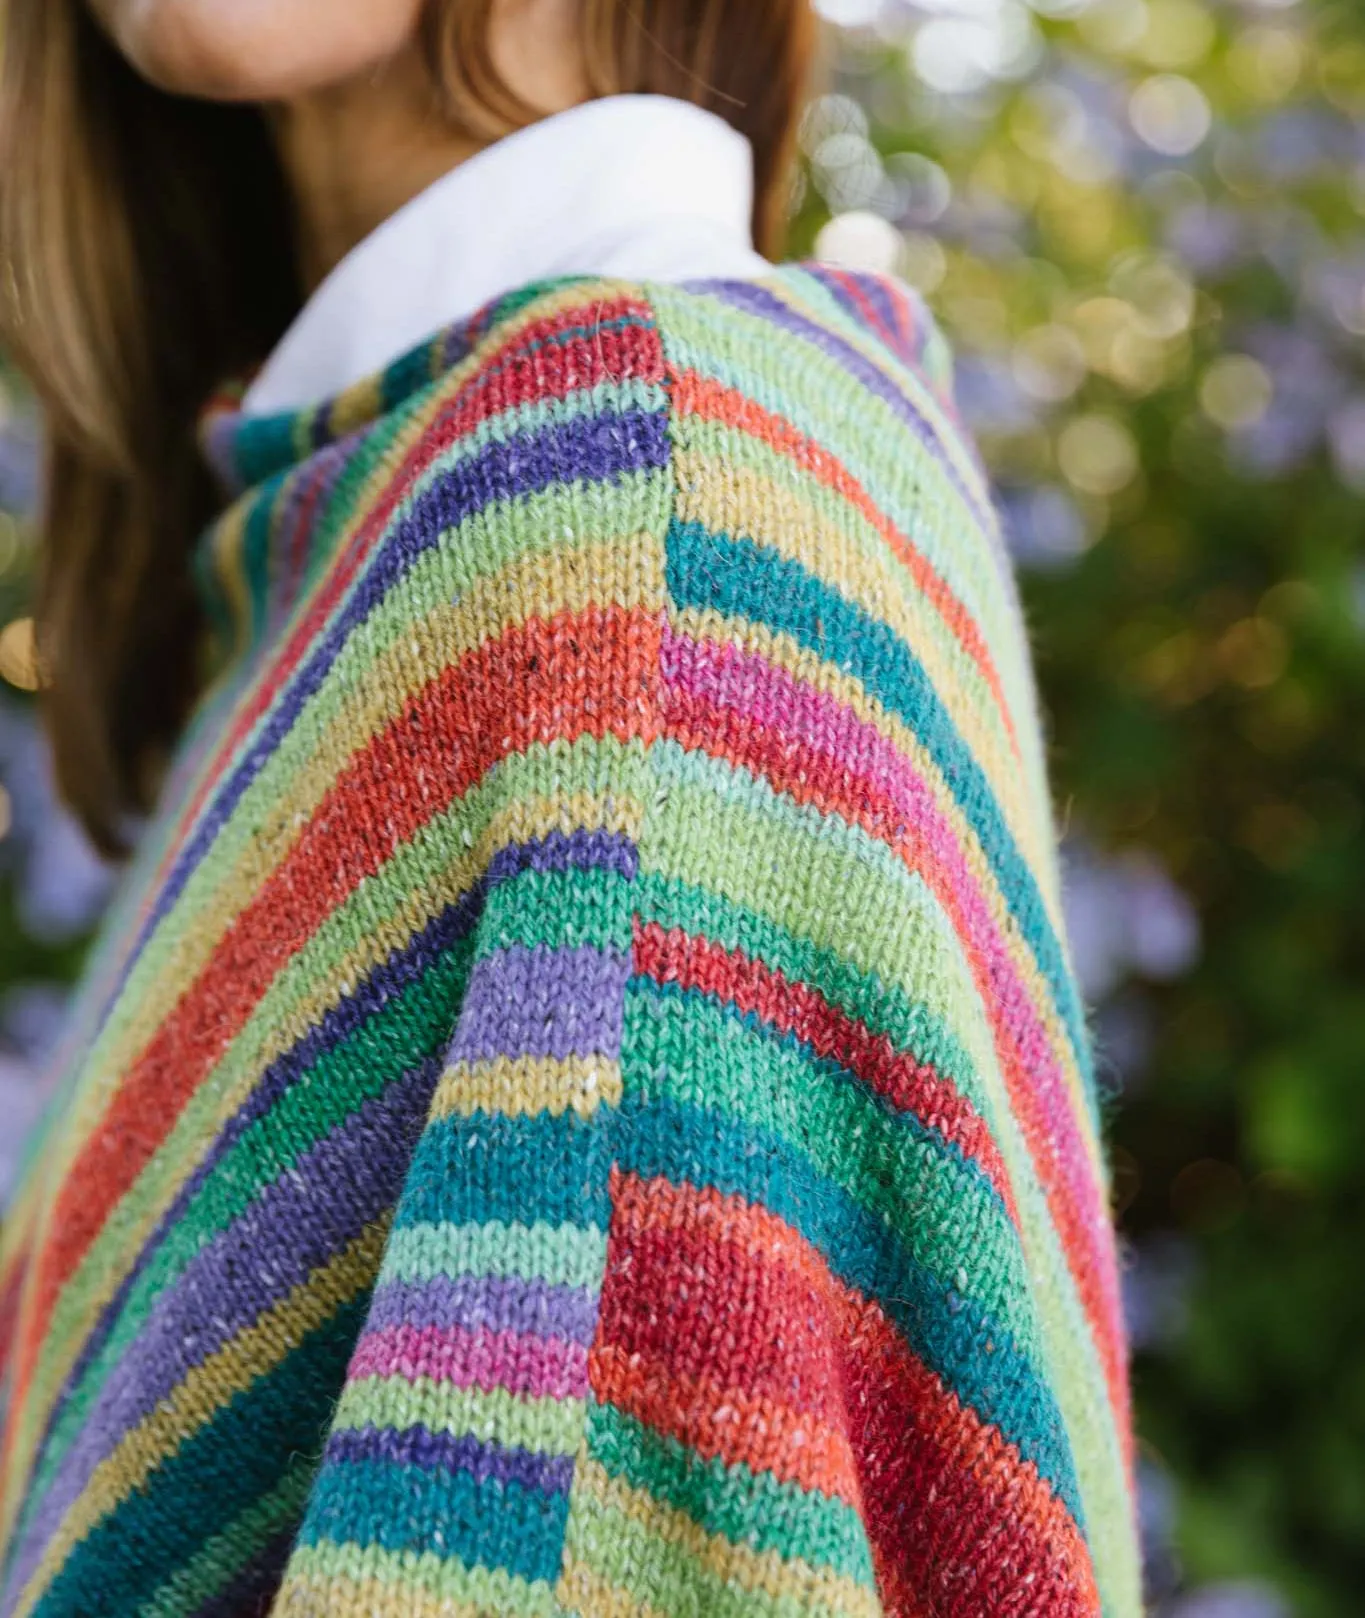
(1142, 226)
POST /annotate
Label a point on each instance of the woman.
(582, 1106)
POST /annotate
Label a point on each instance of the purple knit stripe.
(459, 342)
(402, 969)
(307, 490)
(543, 1002)
(756, 299)
(869, 298)
(558, 852)
(320, 431)
(487, 1303)
(595, 449)
(294, 1227)
(483, 1460)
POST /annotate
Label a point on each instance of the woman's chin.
(256, 50)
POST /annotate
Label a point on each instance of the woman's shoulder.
(572, 415)
(800, 325)
(601, 379)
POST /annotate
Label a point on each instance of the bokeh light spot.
(18, 654)
(859, 240)
(1170, 113)
(922, 261)
(1097, 454)
(1179, 33)
(1254, 652)
(1049, 363)
(1266, 62)
(1236, 391)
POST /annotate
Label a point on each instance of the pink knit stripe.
(513, 1362)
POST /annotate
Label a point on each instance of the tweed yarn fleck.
(582, 1105)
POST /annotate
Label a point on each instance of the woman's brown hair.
(147, 249)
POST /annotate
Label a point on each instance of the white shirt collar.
(637, 187)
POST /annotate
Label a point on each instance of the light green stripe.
(908, 1022)
(560, 1255)
(729, 1498)
(821, 400)
(549, 1426)
(670, 1579)
(922, 1192)
(713, 816)
(806, 295)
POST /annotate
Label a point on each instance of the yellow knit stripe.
(588, 1594)
(522, 1086)
(228, 539)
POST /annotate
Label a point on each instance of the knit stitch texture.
(582, 1106)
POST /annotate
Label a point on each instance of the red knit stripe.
(526, 370)
(822, 1391)
(898, 334)
(795, 1008)
(11, 1286)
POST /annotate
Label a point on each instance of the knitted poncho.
(582, 1107)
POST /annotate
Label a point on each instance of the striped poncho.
(582, 1107)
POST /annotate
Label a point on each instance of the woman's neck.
(355, 153)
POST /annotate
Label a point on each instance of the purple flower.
(62, 883)
(1245, 1598)
(989, 397)
(1124, 917)
(1210, 239)
(1346, 437)
(1157, 1514)
(1156, 1290)
(1043, 526)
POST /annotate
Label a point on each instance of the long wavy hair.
(147, 253)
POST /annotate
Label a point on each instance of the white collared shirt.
(637, 187)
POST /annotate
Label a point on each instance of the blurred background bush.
(1142, 222)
